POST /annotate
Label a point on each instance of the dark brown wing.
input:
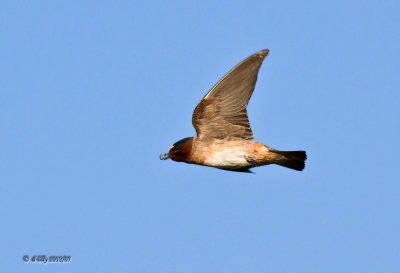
(222, 112)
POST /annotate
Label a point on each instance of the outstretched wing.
(222, 112)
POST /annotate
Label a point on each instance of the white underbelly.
(229, 158)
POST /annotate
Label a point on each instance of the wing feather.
(222, 112)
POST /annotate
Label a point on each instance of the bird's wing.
(222, 112)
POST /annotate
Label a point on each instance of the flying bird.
(224, 136)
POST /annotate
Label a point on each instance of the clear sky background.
(91, 92)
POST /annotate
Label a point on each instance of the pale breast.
(227, 159)
(235, 153)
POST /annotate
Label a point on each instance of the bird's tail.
(293, 159)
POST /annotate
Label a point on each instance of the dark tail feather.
(294, 160)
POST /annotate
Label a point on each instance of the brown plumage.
(224, 136)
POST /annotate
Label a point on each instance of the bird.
(224, 137)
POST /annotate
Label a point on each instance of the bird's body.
(234, 154)
(224, 137)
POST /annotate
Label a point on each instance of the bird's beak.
(164, 156)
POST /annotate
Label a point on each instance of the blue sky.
(93, 91)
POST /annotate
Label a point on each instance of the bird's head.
(180, 151)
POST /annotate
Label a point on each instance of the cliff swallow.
(224, 137)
